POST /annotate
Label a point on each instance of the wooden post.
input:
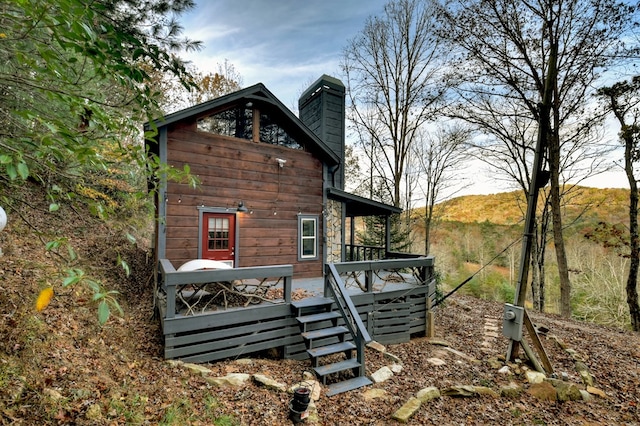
(430, 331)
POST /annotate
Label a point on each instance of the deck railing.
(335, 287)
(170, 279)
(422, 267)
(358, 253)
(355, 252)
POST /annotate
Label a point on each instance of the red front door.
(219, 237)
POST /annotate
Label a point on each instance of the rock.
(382, 375)
(543, 391)
(494, 363)
(596, 391)
(581, 366)
(584, 372)
(573, 353)
(560, 343)
(484, 390)
(243, 361)
(587, 378)
(392, 357)
(404, 413)
(231, 379)
(512, 390)
(504, 370)
(459, 391)
(371, 394)
(53, 394)
(463, 355)
(396, 368)
(94, 412)
(269, 383)
(435, 361)
(586, 396)
(534, 377)
(427, 394)
(376, 346)
(566, 391)
(197, 369)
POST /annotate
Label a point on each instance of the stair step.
(347, 364)
(310, 302)
(331, 349)
(322, 316)
(347, 385)
(325, 332)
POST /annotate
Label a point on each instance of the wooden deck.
(391, 297)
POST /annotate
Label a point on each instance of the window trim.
(302, 218)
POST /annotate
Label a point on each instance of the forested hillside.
(507, 208)
(480, 235)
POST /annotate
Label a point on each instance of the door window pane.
(218, 238)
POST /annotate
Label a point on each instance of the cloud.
(282, 44)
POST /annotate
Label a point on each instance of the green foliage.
(106, 299)
(75, 86)
(183, 412)
(130, 408)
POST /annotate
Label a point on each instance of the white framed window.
(307, 237)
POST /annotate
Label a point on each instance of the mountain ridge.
(509, 208)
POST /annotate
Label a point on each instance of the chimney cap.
(324, 82)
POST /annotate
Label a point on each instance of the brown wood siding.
(231, 170)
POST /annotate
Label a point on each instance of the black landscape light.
(299, 404)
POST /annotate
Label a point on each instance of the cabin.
(268, 220)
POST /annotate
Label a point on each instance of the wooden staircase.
(324, 337)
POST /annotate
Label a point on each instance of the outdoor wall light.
(242, 208)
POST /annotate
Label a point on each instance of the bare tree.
(623, 100)
(205, 86)
(439, 156)
(393, 74)
(536, 62)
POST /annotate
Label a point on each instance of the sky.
(288, 44)
(285, 44)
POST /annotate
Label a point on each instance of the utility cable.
(442, 299)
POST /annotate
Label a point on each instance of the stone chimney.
(322, 109)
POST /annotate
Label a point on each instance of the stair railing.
(335, 286)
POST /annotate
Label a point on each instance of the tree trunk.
(634, 239)
(535, 274)
(558, 240)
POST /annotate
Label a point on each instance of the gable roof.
(262, 97)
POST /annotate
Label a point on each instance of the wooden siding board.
(231, 170)
(258, 336)
(393, 339)
(181, 324)
(236, 352)
(384, 330)
(223, 333)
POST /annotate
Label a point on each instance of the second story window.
(272, 133)
(236, 122)
(239, 123)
